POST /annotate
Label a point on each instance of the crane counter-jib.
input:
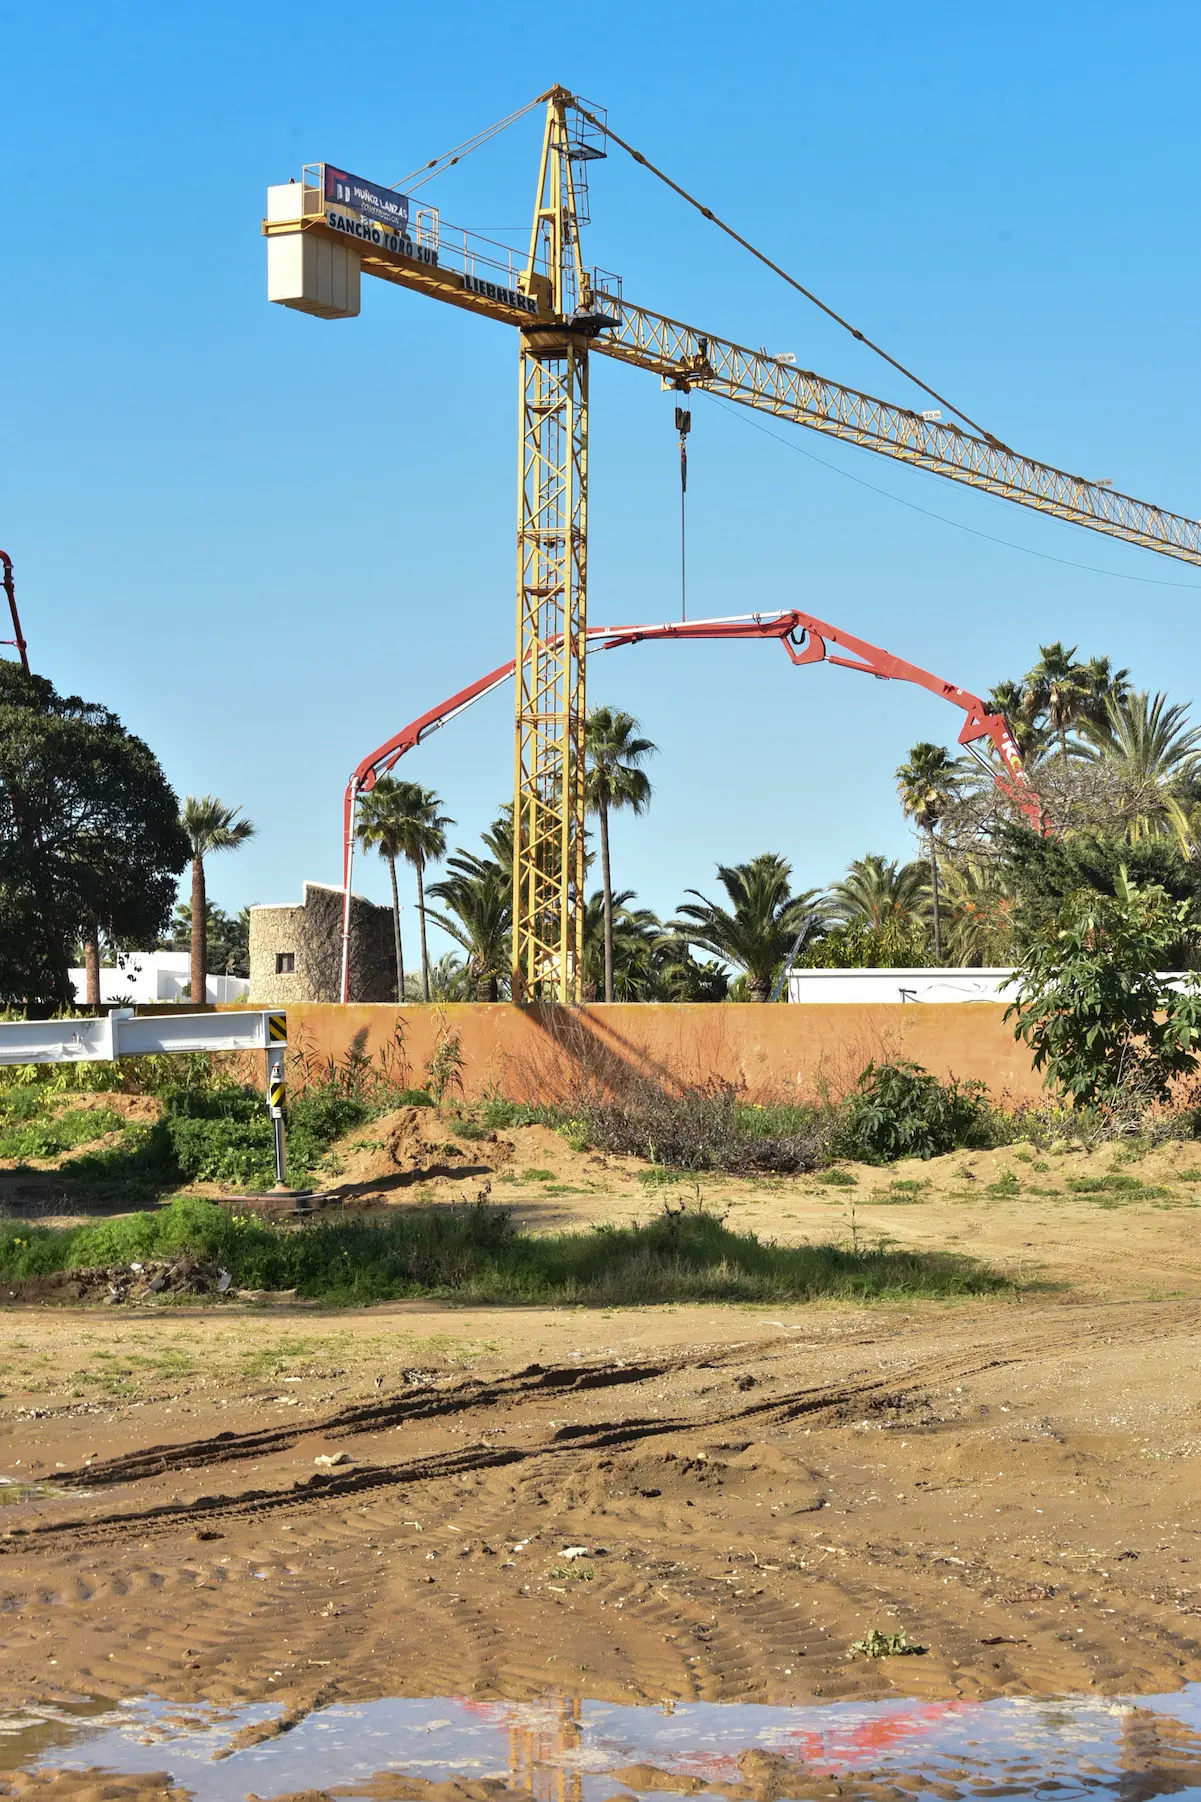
(318, 246)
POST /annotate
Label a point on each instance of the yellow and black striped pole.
(277, 1044)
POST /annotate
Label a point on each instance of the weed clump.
(875, 1644)
(701, 1126)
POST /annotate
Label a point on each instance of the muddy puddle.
(572, 1750)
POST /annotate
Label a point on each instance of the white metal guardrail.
(122, 1033)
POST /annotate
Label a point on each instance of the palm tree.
(758, 930)
(477, 896)
(927, 784)
(1061, 688)
(980, 915)
(636, 942)
(401, 819)
(448, 978)
(1014, 701)
(210, 826)
(423, 841)
(613, 750)
(1149, 741)
(378, 827)
(1102, 686)
(876, 892)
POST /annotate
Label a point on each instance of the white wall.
(899, 985)
(145, 976)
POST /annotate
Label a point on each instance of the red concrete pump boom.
(18, 641)
(806, 640)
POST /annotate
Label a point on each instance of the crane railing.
(687, 358)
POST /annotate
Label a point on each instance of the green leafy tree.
(927, 785)
(1092, 1004)
(90, 840)
(210, 826)
(758, 929)
(901, 943)
(613, 751)
(1042, 873)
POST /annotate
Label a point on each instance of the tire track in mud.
(370, 1417)
(892, 1389)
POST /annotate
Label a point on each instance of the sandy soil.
(228, 1502)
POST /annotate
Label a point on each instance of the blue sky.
(269, 541)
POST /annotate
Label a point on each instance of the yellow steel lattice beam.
(552, 579)
(686, 357)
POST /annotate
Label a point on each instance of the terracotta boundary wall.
(782, 1052)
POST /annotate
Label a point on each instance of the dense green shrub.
(901, 1111)
(225, 1136)
(30, 1137)
(1104, 1024)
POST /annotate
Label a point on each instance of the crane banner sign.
(367, 198)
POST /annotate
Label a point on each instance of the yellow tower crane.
(326, 230)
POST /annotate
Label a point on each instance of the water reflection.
(576, 1750)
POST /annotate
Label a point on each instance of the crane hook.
(683, 427)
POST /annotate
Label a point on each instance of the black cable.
(846, 325)
(1089, 569)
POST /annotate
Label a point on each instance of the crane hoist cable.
(762, 257)
(683, 427)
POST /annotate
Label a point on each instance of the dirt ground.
(227, 1502)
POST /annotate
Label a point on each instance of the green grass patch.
(659, 1176)
(475, 1254)
(1125, 1188)
(836, 1179)
(1006, 1184)
(537, 1176)
(757, 1120)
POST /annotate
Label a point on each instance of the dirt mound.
(136, 1109)
(413, 1145)
(752, 1470)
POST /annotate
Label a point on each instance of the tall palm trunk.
(425, 956)
(607, 888)
(934, 888)
(91, 965)
(199, 933)
(400, 956)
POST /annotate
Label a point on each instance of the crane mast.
(552, 585)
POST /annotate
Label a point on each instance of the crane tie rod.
(763, 258)
(438, 164)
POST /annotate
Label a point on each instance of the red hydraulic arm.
(805, 638)
(10, 591)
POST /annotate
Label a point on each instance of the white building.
(899, 985)
(146, 976)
